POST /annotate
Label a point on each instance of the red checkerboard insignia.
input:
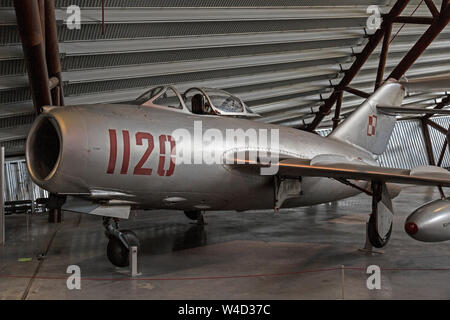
(372, 125)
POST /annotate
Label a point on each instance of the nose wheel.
(119, 244)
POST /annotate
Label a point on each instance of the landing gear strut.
(120, 241)
(380, 223)
(379, 227)
(54, 204)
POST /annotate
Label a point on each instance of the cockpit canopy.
(202, 101)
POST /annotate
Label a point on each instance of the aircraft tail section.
(367, 127)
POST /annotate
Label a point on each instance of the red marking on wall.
(372, 125)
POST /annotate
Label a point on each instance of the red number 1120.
(141, 139)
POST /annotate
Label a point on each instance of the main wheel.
(193, 214)
(117, 253)
(375, 239)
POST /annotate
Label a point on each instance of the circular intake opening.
(44, 148)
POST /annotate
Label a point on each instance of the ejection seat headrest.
(198, 104)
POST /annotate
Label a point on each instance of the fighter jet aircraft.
(170, 150)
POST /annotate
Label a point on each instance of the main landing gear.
(379, 227)
(120, 242)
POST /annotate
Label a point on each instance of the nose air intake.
(43, 150)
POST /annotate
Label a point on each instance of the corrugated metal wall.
(406, 148)
(19, 185)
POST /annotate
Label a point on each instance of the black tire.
(375, 239)
(193, 214)
(117, 253)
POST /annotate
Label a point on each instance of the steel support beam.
(414, 20)
(444, 3)
(337, 110)
(427, 139)
(447, 139)
(54, 72)
(52, 52)
(445, 102)
(29, 25)
(103, 17)
(38, 31)
(441, 155)
(430, 4)
(383, 55)
(357, 92)
(439, 23)
(442, 130)
(41, 4)
(361, 58)
(436, 126)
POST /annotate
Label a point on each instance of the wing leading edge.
(293, 168)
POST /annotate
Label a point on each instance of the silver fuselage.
(84, 161)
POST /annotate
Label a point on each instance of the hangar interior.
(296, 63)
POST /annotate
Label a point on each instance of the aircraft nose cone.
(411, 228)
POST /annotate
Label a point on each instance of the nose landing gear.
(120, 241)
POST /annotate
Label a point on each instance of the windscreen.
(148, 95)
(225, 102)
(168, 99)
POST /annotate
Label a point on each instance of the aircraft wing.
(424, 175)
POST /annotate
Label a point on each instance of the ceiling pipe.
(29, 25)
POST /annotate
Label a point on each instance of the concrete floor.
(251, 255)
